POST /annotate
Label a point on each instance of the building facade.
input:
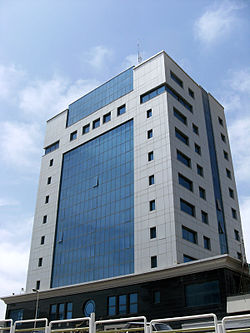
(137, 178)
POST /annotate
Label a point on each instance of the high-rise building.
(136, 179)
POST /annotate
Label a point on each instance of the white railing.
(76, 328)
(6, 326)
(114, 322)
(236, 324)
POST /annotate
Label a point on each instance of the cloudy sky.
(53, 52)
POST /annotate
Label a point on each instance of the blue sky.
(53, 52)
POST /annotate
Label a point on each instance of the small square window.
(228, 172)
(234, 214)
(51, 162)
(121, 110)
(107, 117)
(151, 180)
(45, 219)
(225, 155)
(191, 93)
(231, 193)
(150, 134)
(195, 129)
(149, 113)
(42, 240)
(86, 129)
(96, 123)
(204, 217)
(152, 232)
(38, 285)
(73, 136)
(197, 149)
(207, 243)
(157, 297)
(189, 235)
(150, 156)
(200, 170)
(223, 138)
(202, 193)
(236, 235)
(187, 207)
(176, 79)
(47, 199)
(49, 180)
(40, 262)
(153, 261)
(220, 121)
(152, 205)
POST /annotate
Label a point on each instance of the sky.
(53, 52)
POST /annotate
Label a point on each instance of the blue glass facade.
(95, 224)
(117, 87)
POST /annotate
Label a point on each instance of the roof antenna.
(139, 57)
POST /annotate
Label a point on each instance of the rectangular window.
(51, 162)
(191, 93)
(151, 180)
(150, 156)
(150, 134)
(44, 219)
(42, 240)
(38, 284)
(183, 158)
(122, 304)
(207, 243)
(107, 117)
(202, 193)
(152, 232)
(47, 199)
(234, 214)
(96, 123)
(49, 180)
(69, 310)
(220, 121)
(197, 149)
(121, 110)
(195, 129)
(223, 138)
(185, 182)
(187, 258)
(239, 255)
(229, 175)
(40, 262)
(111, 305)
(133, 303)
(181, 136)
(176, 79)
(73, 135)
(151, 205)
(189, 235)
(180, 116)
(149, 113)
(187, 207)
(153, 261)
(202, 294)
(200, 170)
(204, 217)
(231, 193)
(157, 297)
(61, 309)
(52, 147)
(86, 129)
(225, 155)
(236, 235)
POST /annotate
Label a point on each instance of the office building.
(136, 181)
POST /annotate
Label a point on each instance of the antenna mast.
(139, 57)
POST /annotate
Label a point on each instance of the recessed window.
(47, 199)
(183, 158)
(111, 305)
(202, 294)
(236, 235)
(73, 135)
(44, 219)
(180, 116)
(157, 297)
(228, 172)
(187, 258)
(195, 129)
(151, 180)
(220, 121)
(225, 155)
(49, 180)
(107, 117)
(202, 193)
(153, 261)
(223, 138)
(86, 129)
(152, 232)
(185, 182)
(149, 113)
(96, 123)
(150, 134)
(191, 93)
(122, 301)
(189, 235)
(200, 170)
(234, 214)
(151, 205)
(204, 217)
(231, 193)
(52, 147)
(121, 110)
(176, 79)
(197, 149)
(181, 136)
(133, 303)
(42, 240)
(239, 255)
(51, 162)
(38, 285)
(187, 207)
(40, 262)
(207, 243)
(150, 156)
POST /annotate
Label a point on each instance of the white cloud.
(130, 60)
(240, 80)
(5, 202)
(98, 57)
(10, 79)
(217, 21)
